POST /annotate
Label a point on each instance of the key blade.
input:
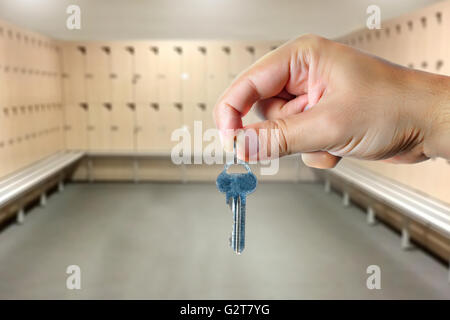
(237, 242)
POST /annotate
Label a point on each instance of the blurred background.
(86, 176)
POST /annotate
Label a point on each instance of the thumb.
(309, 132)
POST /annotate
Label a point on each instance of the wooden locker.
(98, 88)
(99, 126)
(144, 84)
(170, 118)
(175, 56)
(434, 43)
(445, 37)
(76, 122)
(97, 73)
(194, 76)
(123, 105)
(146, 132)
(121, 72)
(123, 127)
(73, 68)
(218, 68)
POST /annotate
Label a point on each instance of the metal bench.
(413, 204)
(14, 186)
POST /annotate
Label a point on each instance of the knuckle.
(282, 136)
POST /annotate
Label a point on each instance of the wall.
(30, 98)
(418, 40)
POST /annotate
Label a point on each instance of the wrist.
(436, 116)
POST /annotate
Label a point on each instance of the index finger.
(264, 79)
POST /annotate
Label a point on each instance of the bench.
(21, 183)
(429, 212)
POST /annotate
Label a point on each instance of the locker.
(175, 56)
(73, 67)
(99, 127)
(434, 40)
(170, 118)
(158, 72)
(144, 85)
(445, 35)
(98, 87)
(146, 131)
(218, 66)
(122, 128)
(76, 122)
(121, 73)
(194, 75)
(98, 84)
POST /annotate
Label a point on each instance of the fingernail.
(227, 139)
(247, 145)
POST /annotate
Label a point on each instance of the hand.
(330, 101)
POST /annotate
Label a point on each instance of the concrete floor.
(170, 241)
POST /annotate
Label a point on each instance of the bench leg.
(327, 186)
(43, 199)
(61, 186)
(346, 199)
(371, 216)
(405, 242)
(20, 216)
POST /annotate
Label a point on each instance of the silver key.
(237, 186)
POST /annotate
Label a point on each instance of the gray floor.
(169, 241)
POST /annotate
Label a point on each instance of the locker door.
(147, 116)
(170, 107)
(123, 106)
(174, 69)
(218, 68)
(194, 76)
(98, 97)
(435, 41)
(445, 36)
(76, 121)
(123, 127)
(73, 65)
(144, 87)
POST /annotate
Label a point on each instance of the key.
(237, 186)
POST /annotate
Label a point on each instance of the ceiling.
(199, 19)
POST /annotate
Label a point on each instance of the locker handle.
(112, 76)
(202, 50)
(130, 49)
(131, 105)
(439, 17)
(424, 22)
(154, 105)
(155, 50)
(106, 49)
(202, 106)
(439, 64)
(108, 106)
(273, 47)
(114, 128)
(84, 105)
(250, 49)
(82, 49)
(178, 50)
(226, 49)
(410, 25)
(178, 105)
